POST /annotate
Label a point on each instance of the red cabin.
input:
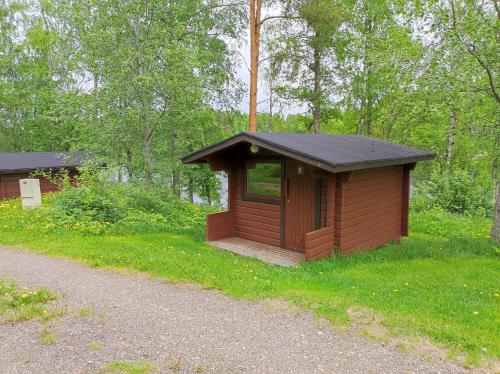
(310, 193)
(16, 166)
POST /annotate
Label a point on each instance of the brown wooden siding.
(299, 205)
(330, 201)
(319, 243)
(369, 206)
(405, 198)
(219, 226)
(255, 221)
(9, 184)
(360, 210)
(338, 182)
(323, 202)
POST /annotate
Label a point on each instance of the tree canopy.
(141, 83)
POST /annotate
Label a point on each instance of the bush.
(96, 206)
(454, 192)
(88, 204)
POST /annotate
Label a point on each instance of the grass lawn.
(441, 282)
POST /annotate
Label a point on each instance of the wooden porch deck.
(264, 252)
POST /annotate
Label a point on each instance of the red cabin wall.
(220, 226)
(364, 209)
(370, 208)
(9, 184)
(255, 221)
(320, 243)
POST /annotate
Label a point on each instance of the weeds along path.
(112, 317)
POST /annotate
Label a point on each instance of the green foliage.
(86, 204)
(456, 192)
(20, 305)
(122, 367)
(96, 206)
(438, 222)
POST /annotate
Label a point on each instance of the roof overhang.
(202, 155)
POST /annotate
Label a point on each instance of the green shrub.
(88, 204)
(147, 198)
(97, 206)
(455, 192)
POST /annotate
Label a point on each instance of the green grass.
(121, 367)
(94, 346)
(47, 337)
(21, 305)
(441, 282)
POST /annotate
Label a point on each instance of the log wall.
(255, 221)
(369, 208)
(9, 184)
(319, 243)
(220, 226)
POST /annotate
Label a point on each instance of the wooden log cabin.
(311, 193)
(20, 165)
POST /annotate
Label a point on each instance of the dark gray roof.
(330, 152)
(23, 161)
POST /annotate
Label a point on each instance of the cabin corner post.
(340, 180)
(405, 197)
(320, 243)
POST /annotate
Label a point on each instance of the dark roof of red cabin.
(23, 161)
(330, 152)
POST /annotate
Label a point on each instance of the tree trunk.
(495, 229)
(190, 190)
(451, 135)
(148, 162)
(176, 183)
(176, 175)
(120, 163)
(255, 7)
(128, 166)
(271, 104)
(207, 193)
(316, 124)
(365, 126)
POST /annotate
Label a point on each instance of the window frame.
(266, 199)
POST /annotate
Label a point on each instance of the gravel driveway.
(179, 328)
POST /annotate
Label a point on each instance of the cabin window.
(263, 181)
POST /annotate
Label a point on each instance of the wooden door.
(299, 204)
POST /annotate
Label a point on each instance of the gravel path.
(178, 327)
